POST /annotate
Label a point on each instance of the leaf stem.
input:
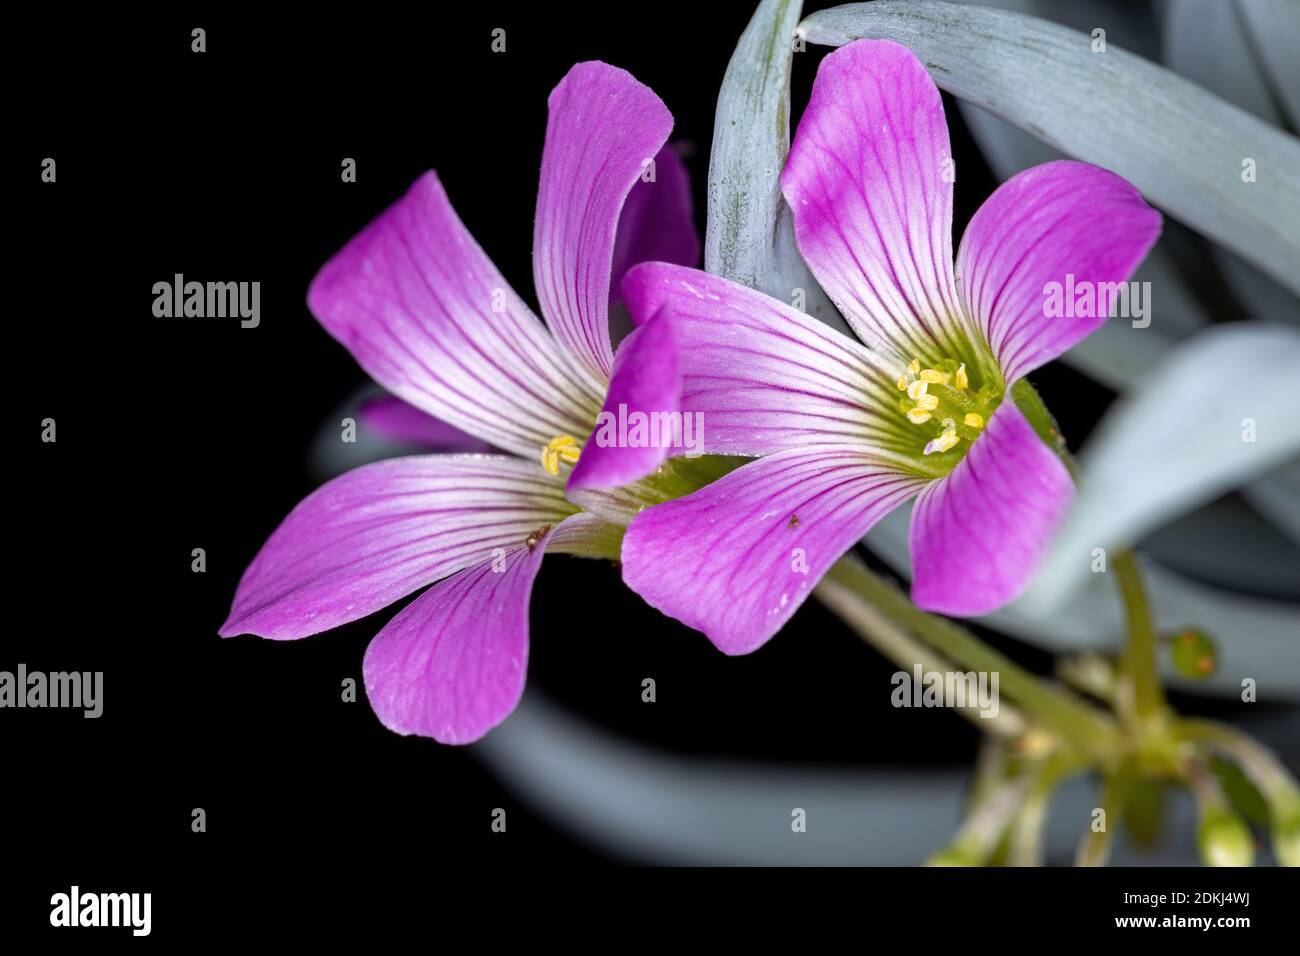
(1089, 730)
(1138, 670)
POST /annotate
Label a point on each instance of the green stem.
(1138, 666)
(1275, 783)
(1087, 728)
(903, 649)
(1025, 847)
(983, 829)
(1094, 849)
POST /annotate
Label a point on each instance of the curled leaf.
(750, 236)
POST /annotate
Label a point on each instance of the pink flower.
(845, 433)
(427, 315)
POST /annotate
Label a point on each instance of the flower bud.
(1194, 653)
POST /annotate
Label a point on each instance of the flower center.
(562, 448)
(944, 404)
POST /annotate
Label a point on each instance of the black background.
(177, 434)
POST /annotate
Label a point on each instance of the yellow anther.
(561, 448)
(942, 443)
(932, 401)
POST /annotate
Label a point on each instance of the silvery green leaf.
(1219, 412)
(1203, 41)
(1255, 636)
(1206, 41)
(749, 237)
(651, 805)
(1006, 149)
(1229, 543)
(1261, 297)
(1134, 26)
(1211, 43)
(1120, 355)
(1274, 28)
(1181, 145)
(1277, 495)
(655, 805)
(1117, 354)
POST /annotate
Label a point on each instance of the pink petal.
(1042, 225)
(452, 664)
(398, 421)
(764, 375)
(872, 208)
(604, 128)
(735, 559)
(382, 531)
(977, 535)
(646, 383)
(658, 222)
(415, 301)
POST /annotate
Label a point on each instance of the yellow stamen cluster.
(907, 377)
(932, 393)
(561, 448)
(947, 438)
